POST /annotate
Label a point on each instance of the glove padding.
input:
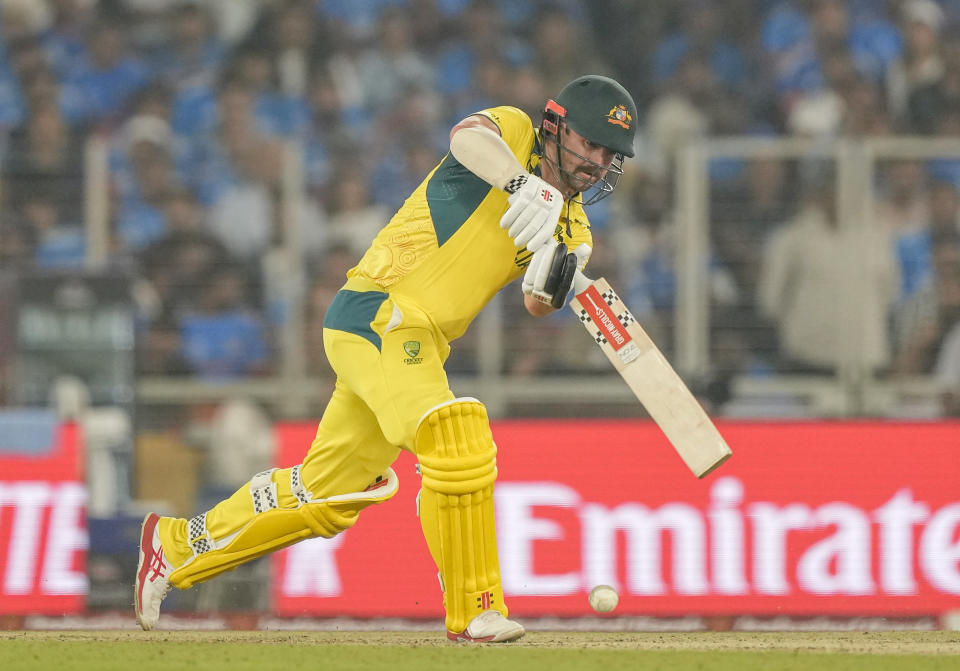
(550, 274)
(534, 212)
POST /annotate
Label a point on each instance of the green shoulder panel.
(453, 194)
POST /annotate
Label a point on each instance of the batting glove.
(534, 211)
(550, 274)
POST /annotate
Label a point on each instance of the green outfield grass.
(406, 651)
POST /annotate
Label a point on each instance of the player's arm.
(535, 205)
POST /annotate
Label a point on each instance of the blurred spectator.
(59, 243)
(925, 320)
(144, 173)
(804, 275)
(401, 167)
(563, 48)
(329, 274)
(681, 113)
(947, 371)
(65, 39)
(336, 125)
(160, 350)
(643, 254)
(478, 30)
(174, 269)
(528, 91)
(21, 59)
(819, 110)
(175, 265)
(701, 29)
(408, 140)
(193, 55)
(932, 105)
(221, 133)
(392, 65)
(19, 18)
(742, 219)
(99, 83)
(45, 156)
(41, 90)
(247, 86)
(921, 63)
(903, 210)
(223, 338)
(491, 86)
(248, 210)
(796, 35)
(355, 219)
(17, 241)
(355, 20)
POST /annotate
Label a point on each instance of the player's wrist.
(516, 182)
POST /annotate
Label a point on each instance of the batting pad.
(458, 463)
(270, 523)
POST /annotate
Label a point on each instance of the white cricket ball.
(603, 598)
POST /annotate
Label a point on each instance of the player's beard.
(580, 179)
(577, 180)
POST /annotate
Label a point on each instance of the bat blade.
(651, 378)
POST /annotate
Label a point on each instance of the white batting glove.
(534, 211)
(581, 281)
(583, 252)
(537, 272)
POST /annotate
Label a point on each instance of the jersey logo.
(412, 348)
(619, 116)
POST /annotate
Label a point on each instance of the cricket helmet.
(600, 110)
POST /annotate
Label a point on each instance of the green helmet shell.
(602, 111)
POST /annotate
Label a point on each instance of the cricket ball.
(603, 598)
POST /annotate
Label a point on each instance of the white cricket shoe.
(153, 569)
(490, 626)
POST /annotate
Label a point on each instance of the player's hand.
(550, 274)
(534, 212)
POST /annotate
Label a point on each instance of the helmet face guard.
(603, 178)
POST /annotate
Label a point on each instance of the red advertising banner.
(851, 518)
(43, 535)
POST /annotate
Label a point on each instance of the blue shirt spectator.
(225, 345)
(359, 17)
(794, 39)
(97, 88)
(222, 338)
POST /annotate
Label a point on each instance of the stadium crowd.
(198, 98)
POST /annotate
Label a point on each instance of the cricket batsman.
(506, 202)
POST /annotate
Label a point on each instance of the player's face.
(584, 162)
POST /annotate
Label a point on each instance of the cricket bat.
(651, 377)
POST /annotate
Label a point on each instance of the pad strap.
(263, 491)
(199, 535)
(304, 496)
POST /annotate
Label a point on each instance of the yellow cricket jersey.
(444, 249)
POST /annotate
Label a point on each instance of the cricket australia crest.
(412, 348)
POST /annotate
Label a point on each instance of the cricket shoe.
(153, 571)
(490, 626)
